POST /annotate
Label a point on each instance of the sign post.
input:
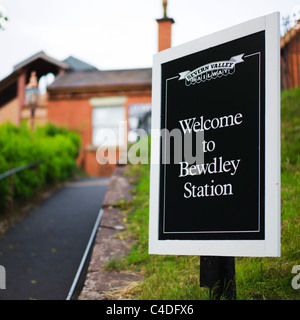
(215, 160)
(218, 274)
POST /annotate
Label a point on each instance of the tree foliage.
(3, 20)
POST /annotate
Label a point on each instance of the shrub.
(56, 147)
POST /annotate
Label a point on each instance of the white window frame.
(111, 102)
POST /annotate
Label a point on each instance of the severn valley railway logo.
(211, 71)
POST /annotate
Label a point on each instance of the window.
(45, 81)
(108, 125)
(139, 118)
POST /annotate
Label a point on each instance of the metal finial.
(165, 4)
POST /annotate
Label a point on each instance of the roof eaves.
(78, 65)
(41, 55)
(7, 81)
(97, 88)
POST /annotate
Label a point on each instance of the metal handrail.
(18, 169)
(21, 168)
(10, 173)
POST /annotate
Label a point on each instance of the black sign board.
(222, 96)
(212, 148)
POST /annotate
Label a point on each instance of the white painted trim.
(259, 248)
(272, 130)
(108, 101)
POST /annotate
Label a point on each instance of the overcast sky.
(116, 34)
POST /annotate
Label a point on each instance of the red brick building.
(87, 99)
(84, 98)
(290, 58)
(14, 106)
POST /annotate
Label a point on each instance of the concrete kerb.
(99, 283)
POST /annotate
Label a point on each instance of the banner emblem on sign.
(211, 70)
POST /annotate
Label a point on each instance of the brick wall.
(10, 112)
(290, 62)
(77, 114)
(74, 114)
(164, 33)
(290, 59)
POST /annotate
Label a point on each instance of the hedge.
(57, 147)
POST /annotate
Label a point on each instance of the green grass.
(177, 277)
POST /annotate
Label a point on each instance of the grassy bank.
(177, 277)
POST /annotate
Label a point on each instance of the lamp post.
(32, 95)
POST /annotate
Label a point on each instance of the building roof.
(78, 76)
(40, 61)
(97, 78)
(78, 65)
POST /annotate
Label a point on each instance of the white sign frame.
(270, 246)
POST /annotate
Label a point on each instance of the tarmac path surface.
(42, 253)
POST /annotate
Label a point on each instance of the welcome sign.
(215, 166)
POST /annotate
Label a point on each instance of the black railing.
(18, 169)
(10, 173)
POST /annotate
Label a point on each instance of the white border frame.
(270, 246)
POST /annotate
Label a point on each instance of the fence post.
(36, 168)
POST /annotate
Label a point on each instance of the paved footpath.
(41, 254)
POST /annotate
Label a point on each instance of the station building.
(83, 98)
